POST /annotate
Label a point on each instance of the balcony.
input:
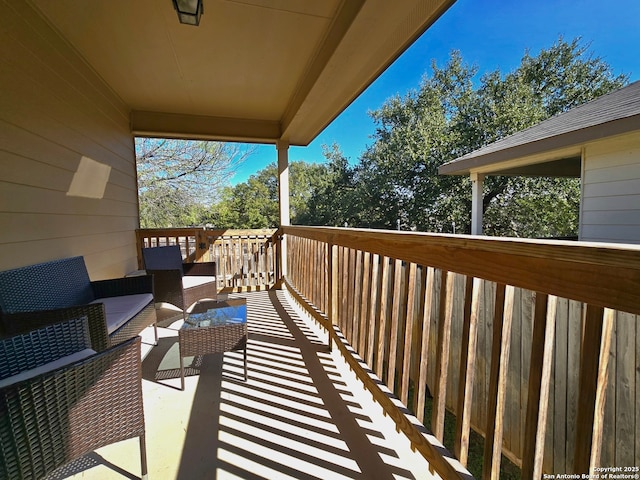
(532, 345)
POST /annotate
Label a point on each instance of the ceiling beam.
(202, 127)
(347, 13)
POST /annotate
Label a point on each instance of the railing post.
(139, 247)
(277, 245)
(202, 246)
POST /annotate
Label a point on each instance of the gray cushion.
(196, 280)
(120, 310)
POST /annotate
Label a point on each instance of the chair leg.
(245, 362)
(181, 372)
(155, 334)
(143, 457)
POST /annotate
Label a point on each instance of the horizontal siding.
(615, 203)
(54, 114)
(611, 191)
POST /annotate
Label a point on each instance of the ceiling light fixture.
(189, 11)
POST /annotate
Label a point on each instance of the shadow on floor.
(293, 418)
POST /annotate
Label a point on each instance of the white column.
(283, 196)
(477, 182)
(283, 181)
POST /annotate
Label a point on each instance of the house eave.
(544, 151)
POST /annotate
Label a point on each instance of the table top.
(216, 313)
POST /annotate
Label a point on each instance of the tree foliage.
(177, 179)
(453, 113)
(254, 203)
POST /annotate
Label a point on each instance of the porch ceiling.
(254, 70)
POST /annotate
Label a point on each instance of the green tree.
(178, 178)
(451, 114)
(254, 203)
(333, 200)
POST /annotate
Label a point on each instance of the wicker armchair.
(177, 283)
(76, 397)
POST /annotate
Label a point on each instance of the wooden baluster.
(396, 309)
(350, 276)
(294, 272)
(421, 388)
(237, 261)
(229, 263)
(326, 292)
(357, 302)
(467, 368)
(244, 261)
(544, 327)
(250, 263)
(382, 327)
(313, 277)
(498, 381)
(305, 263)
(442, 353)
(332, 288)
(320, 278)
(344, 285)
(261, 264)
(365, 304)
(407, 354)
(373, 309)
(594, 362)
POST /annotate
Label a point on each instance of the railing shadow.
(295, 417)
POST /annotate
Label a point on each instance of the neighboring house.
(598, 142)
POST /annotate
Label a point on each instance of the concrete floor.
(301, 415)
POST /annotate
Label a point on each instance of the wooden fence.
(532, 344)
(245, 259)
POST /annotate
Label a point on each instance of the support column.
(283, 197)
(477, 182)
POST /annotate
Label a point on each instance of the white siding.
(610, 210)
(56, 114)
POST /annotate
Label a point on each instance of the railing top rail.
(182, 231)
(606, 275)
(611, 254)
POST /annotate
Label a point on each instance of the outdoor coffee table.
(214, 326)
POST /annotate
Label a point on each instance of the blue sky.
(490, 34)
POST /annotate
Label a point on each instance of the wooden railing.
(514, 337)
(245, 259)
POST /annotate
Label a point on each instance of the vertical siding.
(58, 120)
(611, 191)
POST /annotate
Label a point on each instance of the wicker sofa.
(65, 393)
(38, 295)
